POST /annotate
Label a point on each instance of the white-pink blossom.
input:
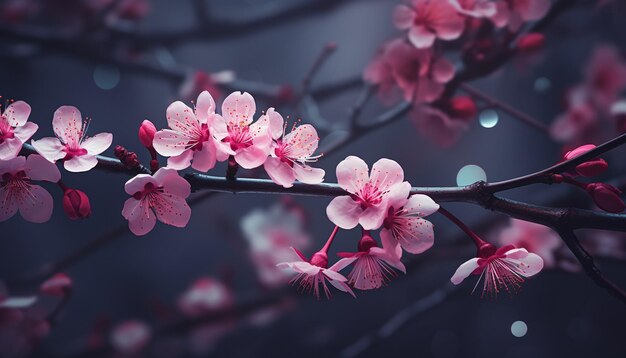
(71, 142)
(130, 337)
(15, 129)
(475, 8)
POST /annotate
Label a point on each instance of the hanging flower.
(15, 129)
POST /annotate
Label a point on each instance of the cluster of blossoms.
(412, 68)
(595, 101)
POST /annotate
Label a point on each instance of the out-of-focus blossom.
(76, 204)
(618, 115)
(57, 285)
(531, 42)
(270, 235)
(160, 196)
(533, 237)
(590, 168)
(404, 226)
(577, 123)
(17, 11)
(290, 154)
(514, 13)
(602, 243)
(15, 129)
(502, 268)
(71, 143)
(248, 142)
(607, 197)
(605, 76)
(191, 135)
(17, 191)
(131, 10)
(366, 204)
(475, 8)
(201, 81)
(437, 126)
(130, 337)
(462, 107)
(427, 20)
(205, 295)
(373, 265)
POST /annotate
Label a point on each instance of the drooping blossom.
(404, 226)
(15, 129)
(475, 8)
(310, 274)
(533, 237)
(366, 204)
(514, 13)
(248, 142)
(437, 126)
(290, 154)
(270, 234)
(605, 76)
(501, 268)
(18, 193)
(160, 196)
(373, 265)
(427, 20)
(130, 337)
(205, 295)
(191, 135)
(590, 168)
(71, 143)
(76, 204)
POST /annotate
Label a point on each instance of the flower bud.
(531, 42)
(76, 204)
(462, 107)
(589, 168)
(57, 285)
(146, 134)
(607, 197)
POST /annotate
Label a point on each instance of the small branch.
(317, 64)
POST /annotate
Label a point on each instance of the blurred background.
(63, 52)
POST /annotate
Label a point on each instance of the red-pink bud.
(146, 133)
(57, 285)
(76, 204)
(463, 107)
(589, 168)
(531, 42)
(607, 197)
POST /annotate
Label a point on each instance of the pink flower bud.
(76, 204)
(589, 168)
(146, 133)
(531, 42)
(57, 285)
(607, 197)
(462, 107)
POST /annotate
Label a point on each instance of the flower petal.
(8, 204)
(172, 182)
(81, 163)
(171, 143)
(10, 148)
(398, 195)
(309, 175)
(67, 124)
(403, 17)
(181, 161)
(205, 106)
(464, 270)
(421, 37)
(418, 235)
(17, 113)
(251, 157)
(172, 210)
(98, 143)
(352, 174)
(238, 108)
(344, 212)
(205, 158)
(36, 204)
(25, 131)
(181, 118)
(141, 219)
(421, 204)
(372, 217)
(38, 168)
(280, 172)
(386, 173)
(302, 142)
(50, 148)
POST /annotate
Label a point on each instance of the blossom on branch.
(533, 237)
(514, 13)
(475, 8)
(427, 20)
(71, 143)
(15, 129)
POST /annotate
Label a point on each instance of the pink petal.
(464, 270)
(449, 24)
(420, 236)
(80, 163)
(12, 165)
(8, 204)
(403, 17)
(141, 219)
(17, 113)
(386, 173)
(25, 131)
(344, 212)
(181, 118)
(390, 244)
(205, 106)
(280, 172)
(442, 70)
(421, 37)
(38, 168)
(98, 143)
(181, 161)
(304, 267)
(18, 302)
(10, 148)
(50, 148)
(67, 124)
(172, 210)
(302, 141)
(342, 286)
(36, 205)
(352, 174)
(531, 263)
(276, 123)
(531, 10)
(372, 218)
(172, 182)
(308, 175)
(333, 275)
(502, 15)
(238, 108)
(205, 159)
(398, 195)
(251, 157)
(138, 182)
(343, 263)
(171, 143)
(421, 204)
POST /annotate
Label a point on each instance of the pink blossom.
(380, 73)
(190, 137)
(248, 142)
(71, 143)
(578, 122)
(404, 226)
(15, 129)
(58, 285)
(366, 204)
(373, 265)
(290, 154)
(504, 267)
(310, 274)
(437, 126)
(605, 76)
(515, 13)
(475, 8)
(427, 20)
(160, 196)
(17, 191)
(130, 337)
(205, 295)
(533, 237)
(201, 81)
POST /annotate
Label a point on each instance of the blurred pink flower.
(205, 295)
(535, 238)
(71, 143)
(15, 129)
(605, 76)
(17, 191)
(366, 204)
(437, 126)
(514, 13)
(580, 120)
(404, 226)
(160, 196)
(200, 81)
(130, 337)
(58, 285)
(475, 8)
(428, 20)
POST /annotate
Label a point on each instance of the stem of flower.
(571, 181)
(330, 240)
(231, 171)
(475, 238)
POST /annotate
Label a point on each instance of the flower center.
(203, 136)
(148, 192)
(6, 131)
(73, 151)
(239, 137)
(368, 196)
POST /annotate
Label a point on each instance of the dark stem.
(456, 221)
(231, 170)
